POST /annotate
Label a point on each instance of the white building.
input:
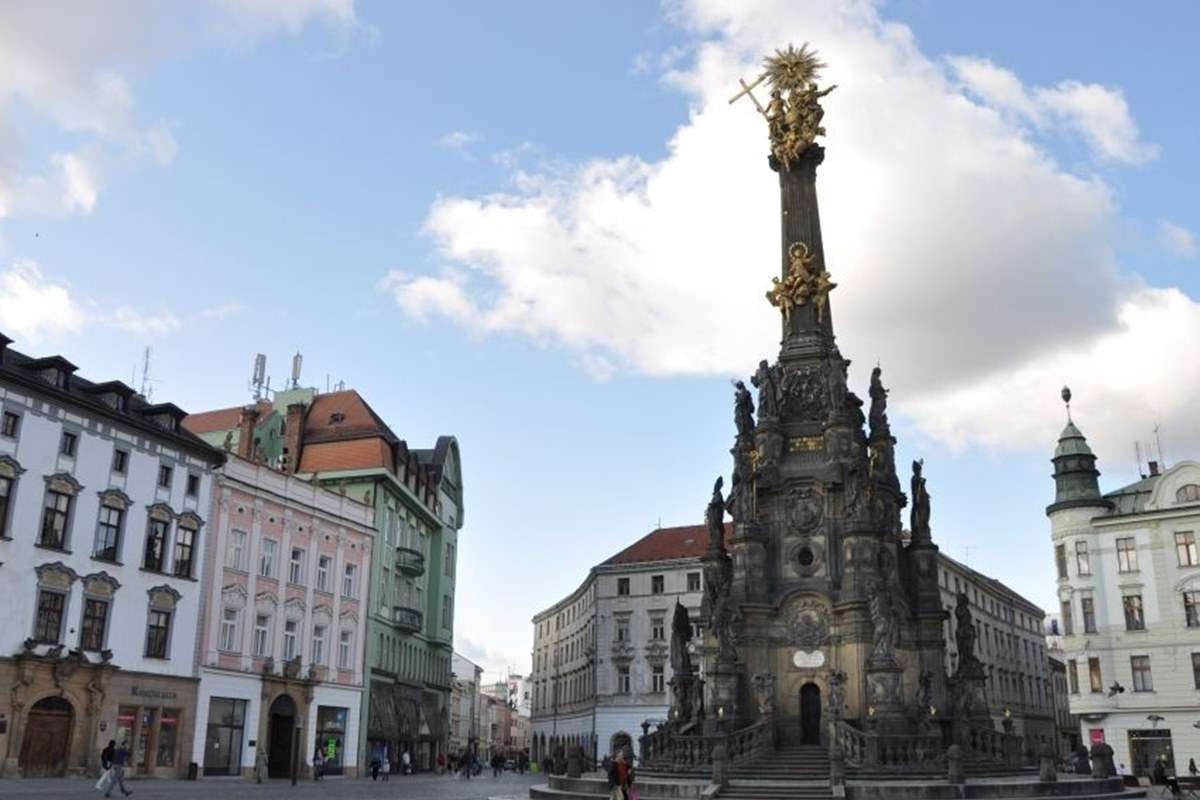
(1011, 643)
(283, 628)
(1129, 588)
(601, 656)
(103, 508)
(464, 704)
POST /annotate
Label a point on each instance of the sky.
(541, 227)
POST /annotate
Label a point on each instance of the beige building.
(1129, 587)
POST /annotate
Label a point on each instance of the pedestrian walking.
(385, 768)
(318, 764)
(620, 778)
(441, 763)
(405, 763)
(1192, 767)
(120, 758)
(376, 763)
(106, 758)
(260, 766)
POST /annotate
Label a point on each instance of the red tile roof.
(367, 453)
(343, 415)
(222, 419)
(686, 541)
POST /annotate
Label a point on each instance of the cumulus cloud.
(65, 68)
(142, 324)
(1098, 113)
(1177, 240)
(456, 140)
(967, 256)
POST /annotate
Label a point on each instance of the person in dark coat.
(620, 776)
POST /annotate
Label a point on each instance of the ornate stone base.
(885, 704)
(723, 700)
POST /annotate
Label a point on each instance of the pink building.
(280, 647)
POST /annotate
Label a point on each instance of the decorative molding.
(161, 512)
(55, 575)
(63, 482)
(163, 597)
(236, 591)
(115, 498)
(191, 520)
(10, 468)
(101, 584)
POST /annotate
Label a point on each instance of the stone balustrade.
(669, 748)
(895, 753)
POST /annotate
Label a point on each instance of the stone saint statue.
(837, 694)
(743, 412)
(681, 636)
(765, 380)
(883, 619)
(965, 633)
(714, 517)
(919, 517)
(718, 579)
(878, 413)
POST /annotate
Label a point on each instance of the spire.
(1076, 479)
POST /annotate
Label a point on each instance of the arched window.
(1188, 493)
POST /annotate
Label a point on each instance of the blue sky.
(539, 227)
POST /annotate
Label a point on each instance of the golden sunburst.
(791, 69)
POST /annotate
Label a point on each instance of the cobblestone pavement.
(413, 787)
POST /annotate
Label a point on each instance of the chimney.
(246, 422)
(1153, 468)
(293, 433)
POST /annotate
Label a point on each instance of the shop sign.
(152, 694)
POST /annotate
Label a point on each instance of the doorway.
(810, 714)
(282, 727)
(47, 736)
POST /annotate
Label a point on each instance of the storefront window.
(143, 739)
(331, 736)
(126, 722)
(223, 740)
(168, 737)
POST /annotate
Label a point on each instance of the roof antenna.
(259, 376)
(146, 390)
(1066, 396)
(1162, 461)
(297, 360)
(1137, 454)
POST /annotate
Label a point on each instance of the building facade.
(1011, 646)
(283, 623)
(337, 440)
(601, 656)
(104, 503)
(464, 705)
(1129, 589)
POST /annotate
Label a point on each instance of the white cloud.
(456, 140)
(78, 181)
(33, 308)
(142, 324)
(1098, 113)
(968, 259)
(224, 310)
(1178, 241)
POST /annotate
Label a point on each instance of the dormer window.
(336, 418)
(54, 370)
(1188, 493)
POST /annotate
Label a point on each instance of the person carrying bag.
(620, 779)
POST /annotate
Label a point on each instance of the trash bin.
(193, 771)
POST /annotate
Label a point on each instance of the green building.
(338, 440)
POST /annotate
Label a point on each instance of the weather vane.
(794, 111)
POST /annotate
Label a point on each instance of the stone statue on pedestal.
(919, 516)
(878, 413)
(681, 637)
(743, 412)
(766, 380)
(883, 619)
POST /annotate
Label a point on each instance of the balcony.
(406, 619)
(410, 562)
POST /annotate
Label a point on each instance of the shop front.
(154, 717)
(225, 736)
(331, 737)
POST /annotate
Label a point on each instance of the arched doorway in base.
(810, 714)
(281, 728)
(47, 738)
(620, 741)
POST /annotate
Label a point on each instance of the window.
(193, 485)
(185, 546)
(656, 584)
(1088, 606)
(693, 581)
(1185, 548)
(296, 566)
(157, 632)
(266, 558)
(262, 635)
(48, 625)
(1135, 620)
(1060, 559)
(657, 629)
(164, 476)
(1189, 493)
(658, 683)
(323, 564)
(447, 612)
(229, 626)
(108, 533)
(1191, 609)
(348, 581)
(54, 520)
(1073, 676)
(156, 544)
(448, 571)
(1196, 670)
(1083, 564)
(622, 587)
(345, 639)
(1096, 684)
(6, 486)
(1126, 555)
(120, 461)
(95, 620)
(318, 644)
(622, 630)
(1140, 665)
(235, 550)
(622, 680)
(1068, 624)
(289, 639)
(12, 422)
(68, 443)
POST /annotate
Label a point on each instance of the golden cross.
(746, 91)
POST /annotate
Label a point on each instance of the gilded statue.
(794, 112)
(802, 284)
